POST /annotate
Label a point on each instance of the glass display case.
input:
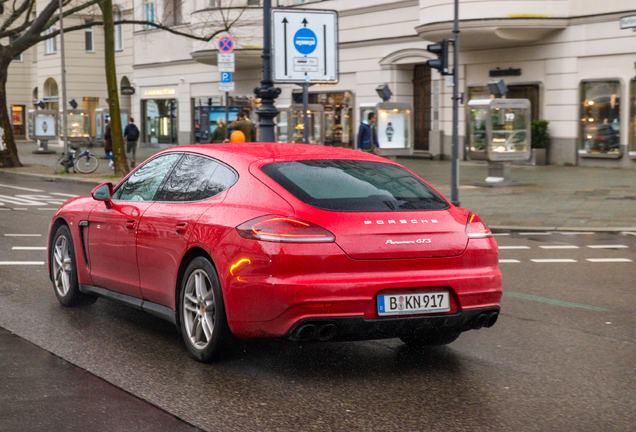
(290, 124)
(102, 114)
(42, 124)
(499, 129)
(394, 126)
(282, 124)
(78, 124)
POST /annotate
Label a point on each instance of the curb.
(55, 178)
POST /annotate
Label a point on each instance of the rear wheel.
(442, 337)
(64, 270)
(87, 164)
(202, 312)
(59, 165)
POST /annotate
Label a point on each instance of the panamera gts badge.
(401, 242)
(400, 221)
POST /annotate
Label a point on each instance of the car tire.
(202, 316)
(64, 270)
(437, 338)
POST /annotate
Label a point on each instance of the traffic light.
(441, 63)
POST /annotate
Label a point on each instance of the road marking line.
(64, 195)
(535, 233)
(559, 247)
(513, 247)
(501, 234)
(608, 260)
(20, 209)
(553, 260)
(628, 233)
(55, 209)
(23, 235)
(21, 188)
(508, 261)
(28, 248)
(608, 247)
(577, 233)
(21, 262)
(553, 301)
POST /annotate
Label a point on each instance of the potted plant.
(540, 141)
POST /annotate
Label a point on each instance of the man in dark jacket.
(131, 133)
(367, 135)
(243, 124)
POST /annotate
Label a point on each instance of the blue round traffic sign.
(226, 44)
(305, 41)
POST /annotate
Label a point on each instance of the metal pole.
(64, 119)
(267, 92)
(227, 115)
(455, 161)
(305, 112)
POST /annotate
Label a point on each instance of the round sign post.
(226, 44)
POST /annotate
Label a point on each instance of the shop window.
(600, 124)
(51, 44)
(17, 119)
(160, 121)
(632, 118)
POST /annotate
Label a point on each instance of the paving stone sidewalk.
(552, 197)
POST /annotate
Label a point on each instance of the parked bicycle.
(84, 162)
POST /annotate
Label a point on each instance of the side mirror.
(103, 192)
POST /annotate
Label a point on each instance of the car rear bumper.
(359, 328)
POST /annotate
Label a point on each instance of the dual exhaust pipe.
(318, 331)
(484, 320)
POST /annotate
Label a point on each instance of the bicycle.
(84, 162)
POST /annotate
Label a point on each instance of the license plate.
(416, 303)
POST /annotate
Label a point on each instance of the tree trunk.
(119, 150)
(8, 150)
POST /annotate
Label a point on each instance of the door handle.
(131, 224)
(181, 228)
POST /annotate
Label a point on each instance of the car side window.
(197, 178)
(144, 183)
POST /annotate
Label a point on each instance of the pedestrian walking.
(245, 125)
(108, 144)
(368, 136)
(131, 134)
(218, 136)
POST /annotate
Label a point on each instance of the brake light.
(476, 228)
(284, 229)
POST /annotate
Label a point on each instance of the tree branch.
(27, 5)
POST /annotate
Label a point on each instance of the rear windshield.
(355, 186)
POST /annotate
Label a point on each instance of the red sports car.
(279, 240)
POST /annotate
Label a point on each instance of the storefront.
(159, 111)
(600, 124)
(337, 121)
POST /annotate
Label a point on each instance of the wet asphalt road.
(561, 356)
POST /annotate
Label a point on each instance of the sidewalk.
(552, 197)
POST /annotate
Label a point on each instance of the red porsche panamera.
(279, 240)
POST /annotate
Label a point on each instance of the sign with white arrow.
(305, 46)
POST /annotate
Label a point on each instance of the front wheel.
(202, 311)
(435, 338)
(64, 270)
(87, 164)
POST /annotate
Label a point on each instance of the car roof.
(251, 152)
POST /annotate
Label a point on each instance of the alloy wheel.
(199, 308)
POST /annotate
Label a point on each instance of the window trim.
(119, 31)
(92, 33)
(19, 58)
(580, 151)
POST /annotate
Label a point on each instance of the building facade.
(573, 59)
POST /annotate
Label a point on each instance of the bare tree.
(25, 29)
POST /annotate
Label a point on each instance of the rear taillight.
(476, 228)
(284, 229)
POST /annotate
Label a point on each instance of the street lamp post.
(456, 98)
(267, 92)
(64, 119)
